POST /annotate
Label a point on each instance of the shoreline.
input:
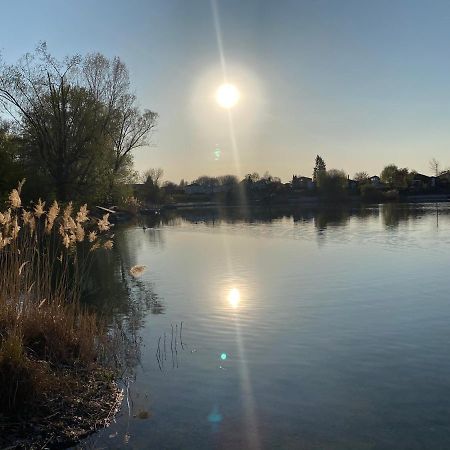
(313, 202)
(65, 418)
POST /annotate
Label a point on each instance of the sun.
(227, 95)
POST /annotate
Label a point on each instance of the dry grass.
(44, 253)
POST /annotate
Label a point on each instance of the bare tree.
(435, 167)
(361, 177)
(252, 177)
(207, 181)
(228, 180)
(128, 128)
(152, 176)
(131, 130)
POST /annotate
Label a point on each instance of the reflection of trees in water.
(340, 216)
(233, 215)
(112, 290)
(366, 212)
(323, 216)
(326, 217)
(121, 300)
(393, 214)
(303, 215)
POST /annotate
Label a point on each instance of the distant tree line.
(325, 184)
(70, 126)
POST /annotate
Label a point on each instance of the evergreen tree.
(320, 169)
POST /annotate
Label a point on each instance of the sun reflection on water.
(234, 297)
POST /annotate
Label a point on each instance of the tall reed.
(44, 253)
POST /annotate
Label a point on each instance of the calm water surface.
(326, 329)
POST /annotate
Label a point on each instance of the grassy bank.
(55, 385)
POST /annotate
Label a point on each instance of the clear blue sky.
(361, 82)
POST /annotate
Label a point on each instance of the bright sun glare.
(227, 95)
(234, 297)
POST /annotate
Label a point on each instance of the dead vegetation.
(55, 386)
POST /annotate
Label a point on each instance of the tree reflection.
(394, 214)
(326, 217)
(112, 290)
(323, 216)
(234, 215)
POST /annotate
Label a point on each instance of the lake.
(307, 329)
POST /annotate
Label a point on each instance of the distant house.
(195, 188)
(376, 182)
(172, 189)
(352, 185)
(303, 183)
(222, 188)
(259, 185)
(420, 182)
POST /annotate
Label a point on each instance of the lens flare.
(234, 297)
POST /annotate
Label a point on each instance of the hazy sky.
(361, 82)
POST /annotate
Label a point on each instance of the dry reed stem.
(43, 256)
